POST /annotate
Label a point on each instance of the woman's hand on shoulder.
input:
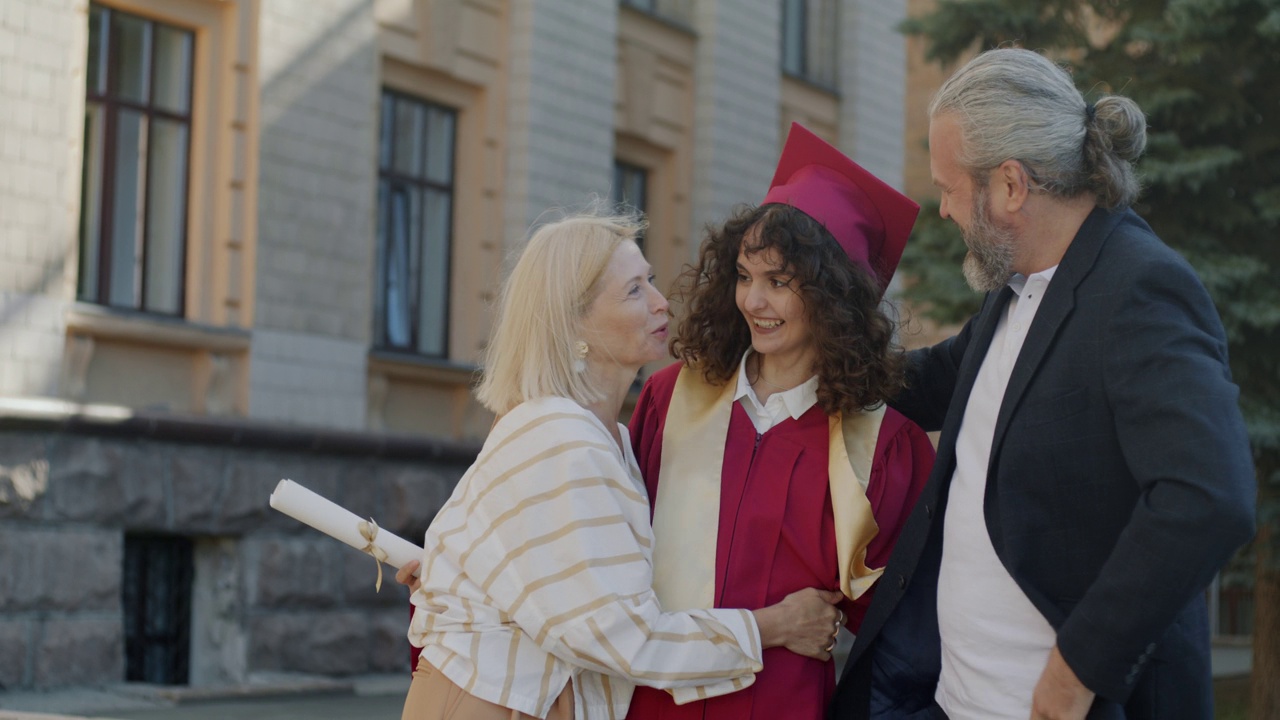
(805, 622)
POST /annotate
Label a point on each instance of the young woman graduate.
(774, 425)
(535, 598)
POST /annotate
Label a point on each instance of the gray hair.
(1016, 104)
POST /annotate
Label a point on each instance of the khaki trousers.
(432, 696)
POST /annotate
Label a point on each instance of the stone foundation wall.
(269, 594)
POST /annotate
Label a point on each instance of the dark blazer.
(1120, 481)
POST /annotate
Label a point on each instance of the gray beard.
(989, 263)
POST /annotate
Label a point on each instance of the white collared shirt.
(781, 405)
(995, 643)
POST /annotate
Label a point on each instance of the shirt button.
(1017, 327)
(902, 582)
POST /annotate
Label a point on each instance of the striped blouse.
(538, 570)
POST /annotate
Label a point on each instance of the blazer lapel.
(1059, 301)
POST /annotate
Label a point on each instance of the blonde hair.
(531, 351)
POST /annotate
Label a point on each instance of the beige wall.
(200, 365)
(278, 318)
(452, 53)
(923, 80)
(654, 129)
(811, 106)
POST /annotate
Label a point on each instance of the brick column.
(561, 107)
(319, 75)
(873, 85)
(42, 65)
(736, 108)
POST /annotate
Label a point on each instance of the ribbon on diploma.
(369, 531)
(339, 523)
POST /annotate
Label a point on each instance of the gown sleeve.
(903, 462)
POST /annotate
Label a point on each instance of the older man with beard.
(1093, 471)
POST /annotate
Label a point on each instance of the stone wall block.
(218, 628)
(297, 600)
(15, 638)
(358, 485)
(80, 570)
(245, 504)
(108, 482)
(80, 651)
(24, 475)
(297, 572)
(198, 481)
(20, 578)
(65, 569)
(359, 576)
(269, 637)
(412, 495)
(336, 645)
(388, 643)
(85, 479)
(329, 643)
(146, 483)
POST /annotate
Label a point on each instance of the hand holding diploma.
(337, 522)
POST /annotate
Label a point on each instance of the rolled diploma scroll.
(340, 523)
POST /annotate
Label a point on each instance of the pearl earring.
(580, 349)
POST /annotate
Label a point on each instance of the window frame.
(622, 171)
(157, 569)
(110, 105)
(802, 30)
(817, 56)
(675, 13)
(390, 176)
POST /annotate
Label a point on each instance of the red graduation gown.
(777, 535)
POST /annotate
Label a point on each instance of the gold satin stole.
(693, 446)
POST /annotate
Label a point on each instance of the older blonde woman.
(536, 591)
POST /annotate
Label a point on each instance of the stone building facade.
(242, 240)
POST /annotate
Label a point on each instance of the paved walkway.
(267, 697)
(377, 707)
(294, 697)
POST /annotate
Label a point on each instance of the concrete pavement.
(273, 696)
(281, 696)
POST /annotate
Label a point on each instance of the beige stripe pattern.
(539, 569)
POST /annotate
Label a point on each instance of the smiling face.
(771, 304)
(626, 324)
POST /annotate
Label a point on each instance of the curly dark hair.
(859, 365)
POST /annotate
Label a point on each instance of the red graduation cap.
(869, 219)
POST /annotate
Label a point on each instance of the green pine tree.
(1207, 73)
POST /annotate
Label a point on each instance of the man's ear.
(1012, 186)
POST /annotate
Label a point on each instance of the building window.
(631, 189)
(415, 225)
(137, 135)
(793, 36)
(677, 11)
(156, 597)
(809, 30)
(1231, 597)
